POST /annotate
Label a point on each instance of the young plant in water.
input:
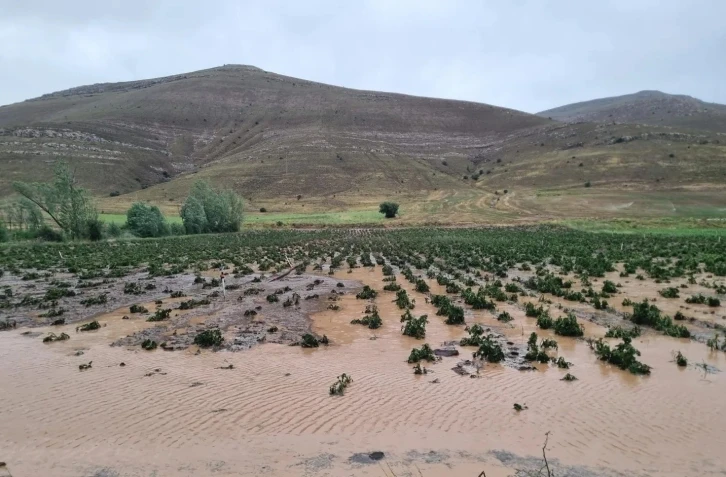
(339, 386)
(53, 337)
(418, 369)
(414, 327)
(623, 356)
(425, 353)
(209, 338)
(94, 325)
(489, 350)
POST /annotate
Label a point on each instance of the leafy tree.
(209, 211)
(388, 208)
(94, 228)
(146, 220)
(68, 205)
(3, 232)
(23, 214)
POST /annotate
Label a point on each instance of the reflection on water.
(272, 415)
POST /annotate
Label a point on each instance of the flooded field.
(180, 413)
(609, 350)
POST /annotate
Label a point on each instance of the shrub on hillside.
(390, 209)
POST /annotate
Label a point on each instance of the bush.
(49, 235)
(403, 301)
(545, 321)
(53, 337)
(489, 350)
(366, 293)
(52, 294)
(138, 309)
(646, 314)
(95, 300)
(372, 321)
(620, 332)
(425, 353)
(145, 220)
(414, 327)
(476, 332)
(148, 345)
(504, 317)
(113, 230)
(160, 315)
(454, 314)
(209, 338)
(609, 287)
(94, 325)
(421, 286)
(562, 363)
(95, 229)
(623, 356)
(390, 209)
(263, 210)
(568, 326)
(669, 292)
(392, 287)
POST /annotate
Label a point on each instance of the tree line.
(61, 209)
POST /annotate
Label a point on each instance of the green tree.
(68, 205)
(23, 214)
(388, 208)
(3, 232)
(146, 220)
(207, 210)
(193, 216)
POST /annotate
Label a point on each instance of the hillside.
(646, 107)
(261, 124)
(273, 138)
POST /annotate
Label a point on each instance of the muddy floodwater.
(180, 414)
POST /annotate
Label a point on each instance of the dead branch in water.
(540, 472)
(544, 454)
(284, 274)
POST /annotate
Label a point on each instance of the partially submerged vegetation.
(339, 386)
(624, 356)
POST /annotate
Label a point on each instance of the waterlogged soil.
(189, 413)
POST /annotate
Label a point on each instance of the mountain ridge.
(648, 107)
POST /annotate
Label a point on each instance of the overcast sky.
(524, 54)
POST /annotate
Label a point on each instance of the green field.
(327, 218)
(676, 226)
(120, 219)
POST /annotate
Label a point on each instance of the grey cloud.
(524, 54)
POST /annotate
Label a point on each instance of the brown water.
(256, 420)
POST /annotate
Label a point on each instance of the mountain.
(646, 107)
(263, 125)
(296, 146)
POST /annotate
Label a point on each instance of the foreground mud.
(189, 413)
